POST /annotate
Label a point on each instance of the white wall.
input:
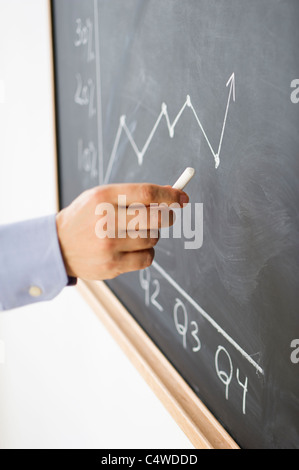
(64, 383)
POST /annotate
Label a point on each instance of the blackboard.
(145, 88)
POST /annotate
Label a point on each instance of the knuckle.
(101, 194)
(96, 194)
(108, 244)
(149, 258)
(148, 193)
(154, 241)
(109, 267)
(112, 267)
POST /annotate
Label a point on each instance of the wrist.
(61, 228)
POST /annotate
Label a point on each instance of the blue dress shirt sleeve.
(31, 264)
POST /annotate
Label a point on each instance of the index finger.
(145, 194)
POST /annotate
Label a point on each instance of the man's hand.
(89, 257)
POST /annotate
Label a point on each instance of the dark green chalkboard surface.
(145, 88)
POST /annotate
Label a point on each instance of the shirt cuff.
(31, 264)
(72, 281)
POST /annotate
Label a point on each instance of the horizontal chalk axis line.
(207, 316)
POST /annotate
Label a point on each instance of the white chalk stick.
(184, 179)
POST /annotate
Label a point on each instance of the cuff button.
(35, 291)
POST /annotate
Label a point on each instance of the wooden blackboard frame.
(193, 417)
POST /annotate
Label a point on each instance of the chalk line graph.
(140, 153)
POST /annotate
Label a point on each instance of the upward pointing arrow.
(232, 93)
(232, 83)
